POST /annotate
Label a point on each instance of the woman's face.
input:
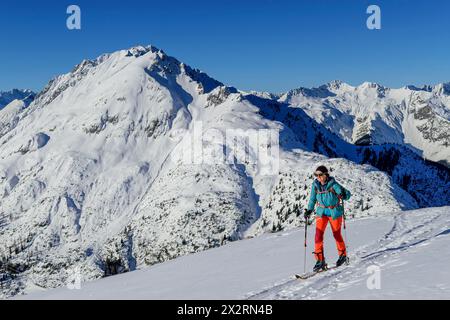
(322, 178)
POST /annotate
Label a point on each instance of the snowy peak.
(321, 92)
(167, 64)
(426, 88)
(329, 89)
(134, 63)
(138, 51)
(442, 89)
(10, 114)
(91, 166)
(367, 88)
(263, 94)
(338, 85)
(439, 89)
(6, 97)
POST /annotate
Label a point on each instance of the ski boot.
(342, 259)
(320, 266)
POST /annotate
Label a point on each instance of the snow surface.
(409, 247)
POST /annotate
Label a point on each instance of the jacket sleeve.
(348, 194)
(312, 198)
(340, 190)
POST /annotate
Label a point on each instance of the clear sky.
(267, 45)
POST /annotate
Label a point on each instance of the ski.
(305, 276)
(311, 274)
(308, 275)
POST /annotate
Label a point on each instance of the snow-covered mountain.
(103, 172)
(394, 256)
(6, 97)
(11, 113)
(373, 114)
(426, 181)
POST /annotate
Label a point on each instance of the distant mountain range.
(372, 114)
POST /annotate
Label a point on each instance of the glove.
(343, 195)
(307, 214)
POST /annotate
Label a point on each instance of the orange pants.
(321, 225)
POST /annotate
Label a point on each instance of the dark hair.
(321, 169)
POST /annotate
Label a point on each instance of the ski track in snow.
(404, 235)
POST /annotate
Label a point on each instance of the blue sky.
(267, 45)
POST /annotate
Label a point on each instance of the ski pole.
(345, 227)
(306, 233)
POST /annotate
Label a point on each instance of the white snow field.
(410, 248)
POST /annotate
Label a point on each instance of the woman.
(327, 195)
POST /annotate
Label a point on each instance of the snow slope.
(409, 248)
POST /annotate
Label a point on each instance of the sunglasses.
(319, 174)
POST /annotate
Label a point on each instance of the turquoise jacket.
(327, 198)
